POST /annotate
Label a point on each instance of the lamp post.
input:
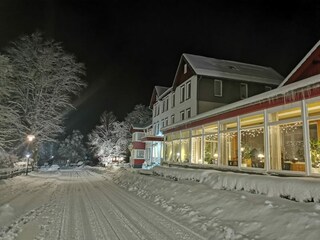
(28, 156)
(30, 138)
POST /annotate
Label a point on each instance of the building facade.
(276, 131)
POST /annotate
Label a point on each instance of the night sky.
(128, 47)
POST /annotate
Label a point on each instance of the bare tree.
(9, 118)
(44, 80)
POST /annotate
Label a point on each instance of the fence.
(11, 172)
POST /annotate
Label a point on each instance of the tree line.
(38, 80)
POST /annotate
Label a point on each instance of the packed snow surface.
(80, 204)
(164, 203)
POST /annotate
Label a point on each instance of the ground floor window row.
(285, 138)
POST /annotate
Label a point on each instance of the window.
(188, 113)
(252, 141)
(166, 122)
(211, 144)
(286, 140)
(137, 136)
(267, 88)
(229, 143)
(167, 103)
(162, 123)
(196, 143)
(185, 68)
(173, 100)
(182, 115)
(140, 153)
(217, 88)
(163, 105)
(243, 90)
(188, 90)
(182, 93)
(172, 119)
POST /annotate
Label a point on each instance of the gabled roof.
(307, 67)
(157, 92)
(206, 66)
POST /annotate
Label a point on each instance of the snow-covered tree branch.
(43, 80)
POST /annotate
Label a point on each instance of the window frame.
(188, 113)
(182, 115)
(182, 93)
(188, 90)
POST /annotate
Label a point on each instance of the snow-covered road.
(80, 204)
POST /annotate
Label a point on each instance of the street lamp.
(30, 138)
(28, 156)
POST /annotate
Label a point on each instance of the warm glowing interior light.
(215, 155)
(242, 149)
(292, 112)
(260, 156)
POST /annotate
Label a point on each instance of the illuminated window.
(229, 143)
(252, 141)
(211, 144)
(314, 133)
(286, 140)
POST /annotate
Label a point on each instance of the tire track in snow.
(141, 214)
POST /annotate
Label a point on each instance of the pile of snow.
(301, 189)
(51, 168)
(215, 213)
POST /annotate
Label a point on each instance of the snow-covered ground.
(80, 204)
(222, 205)
(100, 203)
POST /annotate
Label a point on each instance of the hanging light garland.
(252, 132)
(290, 127)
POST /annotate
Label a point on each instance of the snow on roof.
(160, 90)
(300, 63)
(229, 69)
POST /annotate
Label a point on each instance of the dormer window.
(185, 68)
(243, 90)
(217, 88)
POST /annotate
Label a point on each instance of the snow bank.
(207, 208)
(300, 189)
